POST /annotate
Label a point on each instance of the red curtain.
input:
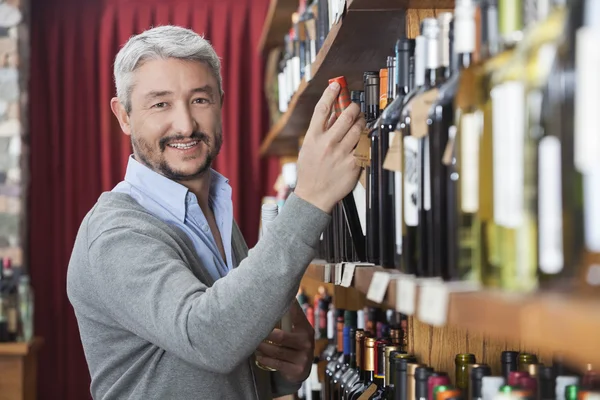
(77, 150)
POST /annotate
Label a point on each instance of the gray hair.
(161, 43)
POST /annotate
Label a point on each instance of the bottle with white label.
(501, 154)
(442, 133)
(410, 170)
(427, 75)
(514, 156)
(586, 137)
(468, 122)
(544, 180)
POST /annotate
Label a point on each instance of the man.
(170, 303)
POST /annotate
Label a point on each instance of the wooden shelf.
(551, 320)
(277, 23)
(360, 42)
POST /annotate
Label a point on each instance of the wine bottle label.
(426, 175)
(591, 210)
(587, 117)
(393, 158)
(508, 139)
(550, 206)
(398, 211)
(360, 199)
(470, 132)
(411, 180)
(419, 112)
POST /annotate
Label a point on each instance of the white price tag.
(348, 274)
(433, 302)
(327, 274)
(378, 286)
(406, 294)
(338, 274)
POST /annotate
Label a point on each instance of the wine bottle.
(338, 358)
(385, 388)
(435, 379)
(443, 244)
(510, 362)
(473, 82)
(475, 389)
(410, 170)
(351, 371)
(586, 143)
(502, 112)
(525, 359)
(403, 366)
(371, 83)
(417, 126)
(349, 325)
(357, 372)
(386, 178)
(366, 385)
(560, 202)
(461, 364)
(422, 375)
(405, 49)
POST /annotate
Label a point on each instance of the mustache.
(200, 136)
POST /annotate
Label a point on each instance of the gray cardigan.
(153, 323)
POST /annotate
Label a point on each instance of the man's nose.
(184, 123)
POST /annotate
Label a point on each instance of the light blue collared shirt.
(177, 206)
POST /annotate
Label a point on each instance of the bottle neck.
(490, 35)
(464, 60)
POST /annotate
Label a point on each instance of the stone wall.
(14, 78)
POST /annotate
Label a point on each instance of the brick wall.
(14, 76)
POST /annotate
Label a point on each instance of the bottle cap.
(480, 371)
(350, 318)
(513, 378)
(405, 44)
(509, 357)
(571, 392)
(506, 389)
(341, 80)
(423, 373)
(528, 383)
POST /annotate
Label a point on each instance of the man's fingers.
(279, 352)
(293, 340)
(352, 137)
(344, 122)
(323, 108)
(284, 367)
(332, 120)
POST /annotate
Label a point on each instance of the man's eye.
(160, 105)
(201, 101)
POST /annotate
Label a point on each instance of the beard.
(154, 158)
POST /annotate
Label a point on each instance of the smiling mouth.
(183, 146)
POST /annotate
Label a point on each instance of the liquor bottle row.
(363, 363)
(16, 304)
(480, 152)
(310, 26)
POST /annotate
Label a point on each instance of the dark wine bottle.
(371, 82)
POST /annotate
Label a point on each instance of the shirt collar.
(168, 193)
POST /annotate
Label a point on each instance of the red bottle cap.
(513, 378)
(436, 380)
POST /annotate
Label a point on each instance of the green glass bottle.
(461, 363)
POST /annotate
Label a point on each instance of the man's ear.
(119, 110)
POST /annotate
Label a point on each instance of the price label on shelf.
(348, 274)
(378, 286)
(338, 274)
(433, 302)
(327, 273)
(406, 294)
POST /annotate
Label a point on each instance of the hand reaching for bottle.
(291, 353)
(326, 168)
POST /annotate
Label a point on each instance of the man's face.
(175, 117)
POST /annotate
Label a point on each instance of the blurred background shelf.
(277, 23)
